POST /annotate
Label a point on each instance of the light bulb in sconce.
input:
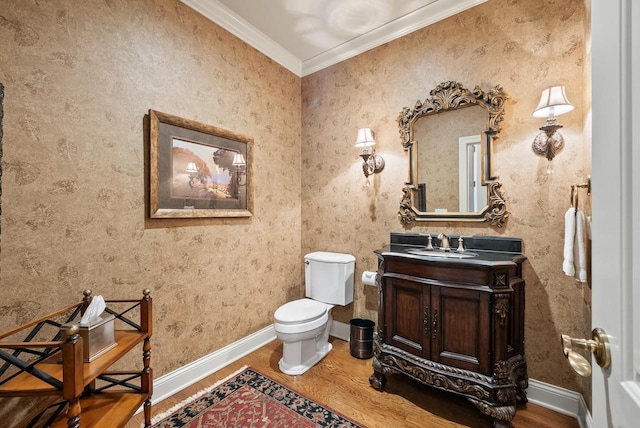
(553, 102)
(372, 162)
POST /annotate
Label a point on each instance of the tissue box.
(97, 337)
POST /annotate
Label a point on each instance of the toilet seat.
(300, 311)
(301, 315)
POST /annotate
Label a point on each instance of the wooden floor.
(341, 382)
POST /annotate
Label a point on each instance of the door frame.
(616, 397)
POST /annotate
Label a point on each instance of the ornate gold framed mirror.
(449, 138)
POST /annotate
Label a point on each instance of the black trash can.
(361, 340)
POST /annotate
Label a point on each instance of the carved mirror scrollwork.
(450, 156)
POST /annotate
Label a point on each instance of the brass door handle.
(598, 345)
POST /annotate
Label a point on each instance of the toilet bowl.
(303, 327)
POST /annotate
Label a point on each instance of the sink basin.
(443, 254)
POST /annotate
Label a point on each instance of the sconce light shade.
(553, 102)
(372, 163)
(365, 138)
(191, 167)
(238, 160)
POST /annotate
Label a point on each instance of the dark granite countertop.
(484, 250)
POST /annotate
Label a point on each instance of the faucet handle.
(461, 244)
(429, 242)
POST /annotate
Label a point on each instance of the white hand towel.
(569, 238)
(580, 248)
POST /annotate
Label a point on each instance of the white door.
(615, 28)
(470, 189)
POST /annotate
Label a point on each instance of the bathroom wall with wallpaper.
(522, 46)
(79, 79)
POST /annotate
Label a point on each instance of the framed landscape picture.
(198, 170)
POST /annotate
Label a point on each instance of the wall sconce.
(553, 102)
(192, 169)
(372, 163)
(239, 163)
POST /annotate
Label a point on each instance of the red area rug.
(250, 399)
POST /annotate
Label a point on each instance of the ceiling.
(308, 35)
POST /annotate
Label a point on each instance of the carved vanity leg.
(377, 379)
(522, 384)
(521, 393)
(521, 381)
(497, 423)
(502, 415)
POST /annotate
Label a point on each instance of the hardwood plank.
(341, 382)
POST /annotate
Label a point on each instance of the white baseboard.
(559, 400)
(543, 394)
(584, 416)
(340, 330)
(167, 385)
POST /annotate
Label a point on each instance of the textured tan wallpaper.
(524, 46)
(79, 79)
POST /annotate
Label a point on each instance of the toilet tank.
(329, 277)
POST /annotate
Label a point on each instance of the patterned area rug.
(250, 399)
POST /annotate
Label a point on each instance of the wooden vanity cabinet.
(455, 326)
(428, 320)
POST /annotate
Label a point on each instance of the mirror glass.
(449, 172)
(449, 138)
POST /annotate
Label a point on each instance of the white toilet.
(303, 325)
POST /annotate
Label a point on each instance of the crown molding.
(423, 17)
(239, 27)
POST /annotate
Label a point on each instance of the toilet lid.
(302, 310)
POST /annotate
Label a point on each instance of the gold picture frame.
(198, 170)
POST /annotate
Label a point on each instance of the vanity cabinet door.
(461, 328)
(407, 319)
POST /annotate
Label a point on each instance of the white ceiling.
(308, 35)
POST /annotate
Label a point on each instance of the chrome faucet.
(444, 242)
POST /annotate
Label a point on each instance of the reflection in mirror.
(472, 193)
(443, 164)
(450, 168)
